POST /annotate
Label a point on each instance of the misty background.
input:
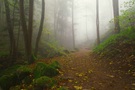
(84, 20)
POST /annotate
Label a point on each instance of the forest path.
(82, 71)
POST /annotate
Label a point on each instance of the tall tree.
(97, 22)
(73, 32)
(116, 15)
(55, 32)
(27, 31)
(2, 14)
(30, 30)
(10, 29)
(40, 28)
(86, 23)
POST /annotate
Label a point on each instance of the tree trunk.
(27, 31)
(0, 14)
(10, 30)
(30, 30)
(55, 33)
(97, 22)
(86, 24)
(40, 28)
(18, 37)
(116, 15)
(73, 32)
(14, 8)
(24, 25)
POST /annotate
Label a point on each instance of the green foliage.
(6, 81)
(112, 44)
(44, 82)
(39, 70)
(51, 49)
(55, 65)
(3, 54)
(127, 30)
(109, 41)
(15, 75)
(20, 76)
(23, 72)
(43, 69)
(10, 70)
(127, 18)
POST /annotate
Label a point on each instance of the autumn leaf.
(70, 80)
(78, 87)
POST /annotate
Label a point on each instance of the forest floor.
(82, 70)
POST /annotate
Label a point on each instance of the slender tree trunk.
(27, 31)
(73, 32)
(40, 28)
(18, 37)
(86, 24)
(10, 29)
(116, 15)
(97, 22)
(14, 7)
(2, 20)
(0, 13)
(30, 30)
(55, 32)
(24, 25)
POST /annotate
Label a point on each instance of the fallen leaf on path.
(76, 82)
(90, 71)
(111, 63)
(70, 80)
(78, 87)
(111, 76)
(133, 84)
(80, 74)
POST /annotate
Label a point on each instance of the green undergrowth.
(51, 49)
(116, 43)
(36, 77)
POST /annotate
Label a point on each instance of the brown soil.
(84, 71)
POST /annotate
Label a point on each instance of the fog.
(84, 20)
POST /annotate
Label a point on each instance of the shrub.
(39, 70)
(6, 81)
(51, 49)
(55, 65)
(23, 72)
(43, 69)
(44, 82)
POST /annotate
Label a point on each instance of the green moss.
(6, 81)
(10, 70)
(43, 69)
(23, 73)
(44, 82)
(55, 65)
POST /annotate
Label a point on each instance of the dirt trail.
(82, 71)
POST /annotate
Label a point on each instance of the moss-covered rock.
(6, 81)
(44, 82)
(55, 65)
(43, 69)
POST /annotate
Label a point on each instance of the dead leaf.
(78, 87)
(111, 76)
